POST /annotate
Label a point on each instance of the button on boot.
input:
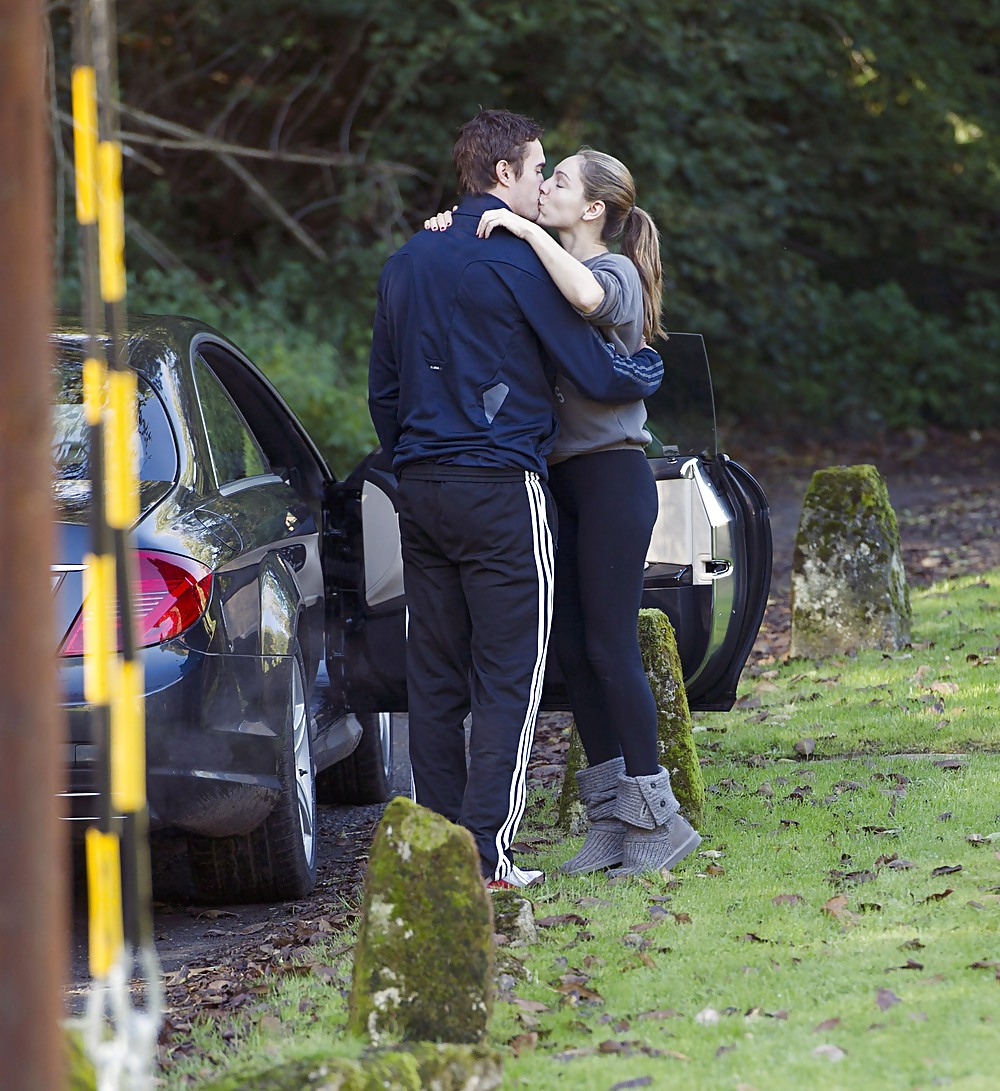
(656, 834)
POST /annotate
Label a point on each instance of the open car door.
(708, 567)
(366, 609)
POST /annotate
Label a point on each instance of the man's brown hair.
(492, 135)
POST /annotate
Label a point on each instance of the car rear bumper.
(212, 740)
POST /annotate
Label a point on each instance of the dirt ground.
(945, 491)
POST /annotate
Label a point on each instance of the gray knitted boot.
(602, 847)
(656, 835)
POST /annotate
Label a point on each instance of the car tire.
(365, 776)
(277, 860)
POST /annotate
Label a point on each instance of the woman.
(607, 504)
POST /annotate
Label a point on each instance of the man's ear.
(594, 210)
(504, 172)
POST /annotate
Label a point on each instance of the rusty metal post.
(33, 894)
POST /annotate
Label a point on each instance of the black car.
(270, 605)
(231, 612)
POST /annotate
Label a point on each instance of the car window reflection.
(235, 453)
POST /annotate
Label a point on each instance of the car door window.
(235, 453)
(682, 412)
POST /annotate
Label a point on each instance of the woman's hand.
(440, 222)
(503, 217)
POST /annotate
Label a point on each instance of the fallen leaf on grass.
(830, 1052)
(561, 918)
(835, 876)
(947, 869)
(714, 869)
(529, 1005)
(751, 937)
(661, 1013)
(949, 763)
(886, 998)
(327, 973)
(910, 964)
(573, 1053)
(787, 899)
(271, 1024)
(639, 1081)
(827, 1024)
(573, 994)
(984, 964)
(938, 897)
(911, 945)
(682, 918)
(523, 1042)
(707, 1017)
(592, 903)
(837, 907)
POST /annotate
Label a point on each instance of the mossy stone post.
(423, 963)
(675, 739)
(414, 1067)
(848, 582)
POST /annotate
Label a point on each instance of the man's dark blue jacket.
(469, 334)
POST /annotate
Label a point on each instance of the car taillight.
(169, 595)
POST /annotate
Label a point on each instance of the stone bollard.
(418, 1066)
(675, 740)
(848, 582)
(423, 963)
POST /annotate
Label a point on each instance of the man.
(468, 336)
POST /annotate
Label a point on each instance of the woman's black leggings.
(607, 505)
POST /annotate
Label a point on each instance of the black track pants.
(607, 505)
(478, 566)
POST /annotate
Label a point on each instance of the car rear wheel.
(365, 776)
(277, 860)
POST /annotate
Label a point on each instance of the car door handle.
(718, 570)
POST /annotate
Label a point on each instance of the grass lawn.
(840, 928)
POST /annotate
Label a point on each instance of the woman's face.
(562, 202)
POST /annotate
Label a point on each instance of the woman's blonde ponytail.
(607, 179)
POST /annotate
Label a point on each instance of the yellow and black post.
(118, 866)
